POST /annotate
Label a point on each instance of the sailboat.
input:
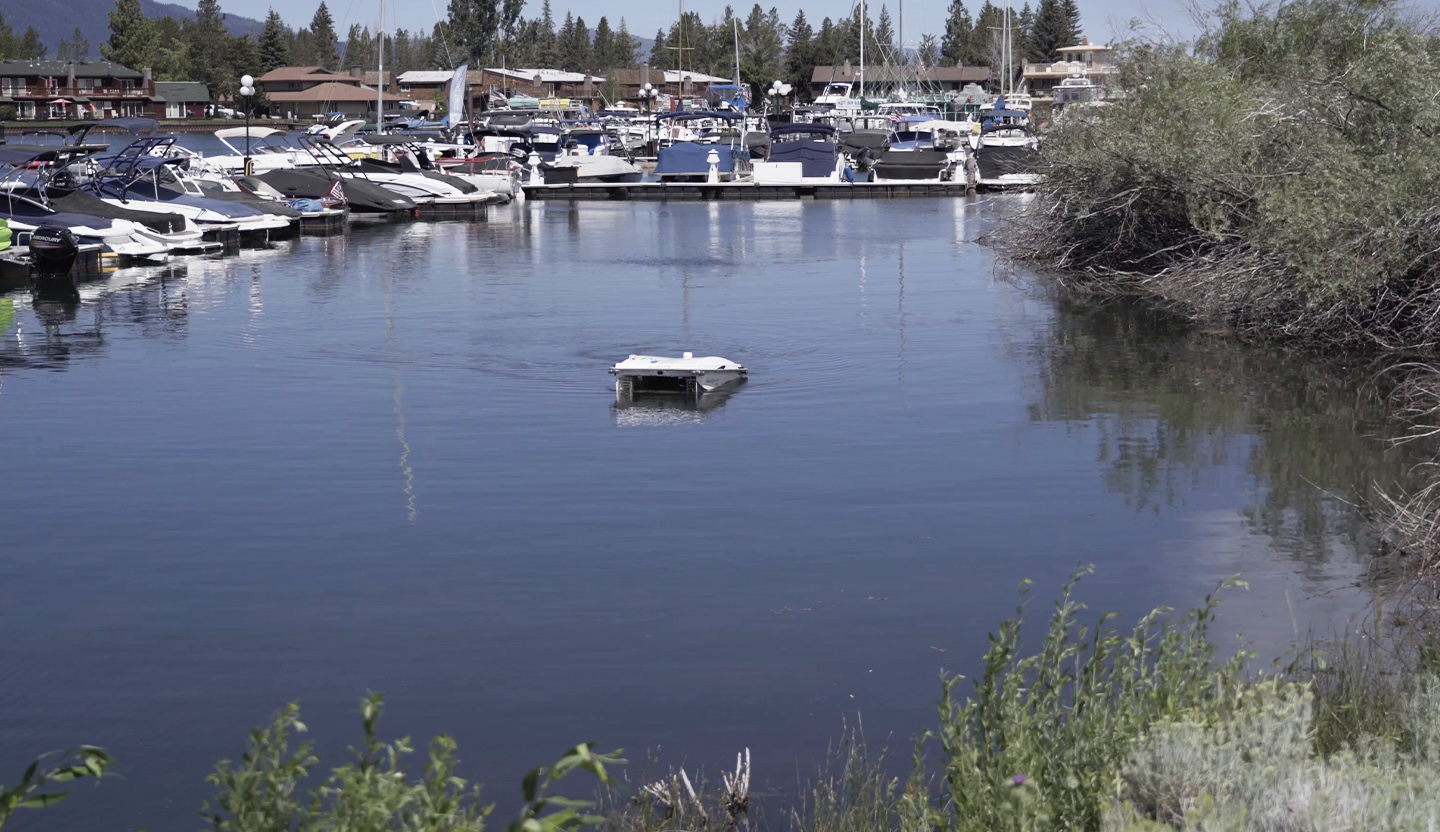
(1007, 153)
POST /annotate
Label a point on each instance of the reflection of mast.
(902, 313)
(405, 469)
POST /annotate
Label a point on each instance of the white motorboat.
(686, 374)
(1008, 157)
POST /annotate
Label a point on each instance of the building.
(881, 81)
(1085, 60)
(89, 89)
(627, 83)
(306, 91)
(424, 84)
(182, 99)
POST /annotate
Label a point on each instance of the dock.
(743, 191)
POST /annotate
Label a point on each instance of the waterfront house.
(306, 91)
(182, 99)
(1093, 62)
(88, 89)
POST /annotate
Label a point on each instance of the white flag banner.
(458, 90)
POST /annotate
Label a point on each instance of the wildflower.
(1018, 779)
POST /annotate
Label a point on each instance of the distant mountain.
(55, 20)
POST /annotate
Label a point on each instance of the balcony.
(40, 90)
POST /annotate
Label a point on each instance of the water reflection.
(1168, 405)
(659, 409)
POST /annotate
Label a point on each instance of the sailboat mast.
(380, 80)
(862, 55)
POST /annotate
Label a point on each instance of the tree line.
(25, 47)
(495, 33)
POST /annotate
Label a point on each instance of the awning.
(80, 99)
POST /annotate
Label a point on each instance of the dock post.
(713, 160)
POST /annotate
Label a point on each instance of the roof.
(372, 77)
(895, 74)
(183, 92)
(61, 69)
(425, 76)
(1086, 47)
(633, 77)
(547, 76)
(332, 91)
(306, 73)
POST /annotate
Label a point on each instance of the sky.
(1103, 20)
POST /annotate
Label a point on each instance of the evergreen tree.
(1052, 31)
(985, 39)
(1025, 33)
(602, 50)
(660, 57)
(76, 49)
(7, 40)
(959, 33)
(322, 39)
(132, 41)
(275, 40)
(1072, 17)
(574, 44)
(171, 58)
(885, 46)
(208, 41)
(30, 48)
(800, 56)
(928, 53)
(762, 48)
(828, 44)
(360, 49)
(625, 47)
(547, 44)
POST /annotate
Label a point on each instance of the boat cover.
(147, 192)
(816, 156)
(363, 196)
(82, 202)
(688, 159)
(911, 164)
(995, 162)
(874, 141)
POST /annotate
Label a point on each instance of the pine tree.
(1025, 33)
(275, 42)
(1074, 30)
(660, 57)
(243, 58)
(800, 56)
(828, 43)
(574, 44)
(1052, 31)
(985, 38)
(959, 32)
(322, 36)
(928, 53)
(131, 41)
(547, 44)
(208, 41)
(7, 40)
(885, 37)
(79, 46)
(171, 58)
(602, 51)
(359, 48)
(762, 48)
(625, 47)
(30, 47)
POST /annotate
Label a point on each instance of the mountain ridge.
(55, 20)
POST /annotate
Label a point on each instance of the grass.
(1096, 728)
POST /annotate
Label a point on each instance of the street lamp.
(647, 94)
(247, 89)
(777, 92)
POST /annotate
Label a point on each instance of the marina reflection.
(662, 409)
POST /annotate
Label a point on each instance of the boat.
(688, 159)
(686, 374)
(598, 169)
(1076, 90)
(913, 155)
(801, 154)
(1007, 157)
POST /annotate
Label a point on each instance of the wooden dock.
(743, 191)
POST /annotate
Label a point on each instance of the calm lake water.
(393, 461)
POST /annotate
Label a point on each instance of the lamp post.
(777, 92)
(648, 94)
(247, 89)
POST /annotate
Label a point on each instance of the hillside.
(55, 20)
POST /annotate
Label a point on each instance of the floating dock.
(743, 191)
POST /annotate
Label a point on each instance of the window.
(27, 109)
(128, 85)
(174, 110)
(87, 84)
(10, 86)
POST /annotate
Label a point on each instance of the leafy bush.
(31, 792)
(1282, 177)
(1042, 741)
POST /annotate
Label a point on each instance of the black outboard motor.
(53, 249)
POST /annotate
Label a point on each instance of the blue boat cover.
(816, 157)
(818, 129)
(688, 158)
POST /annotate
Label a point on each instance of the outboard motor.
(53, 249)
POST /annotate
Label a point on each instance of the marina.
(223, 458)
